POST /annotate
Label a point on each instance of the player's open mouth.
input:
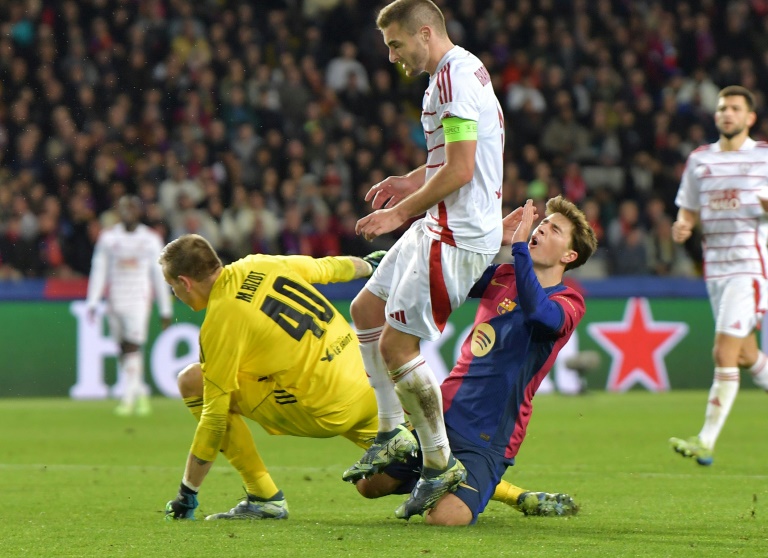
(534, 241)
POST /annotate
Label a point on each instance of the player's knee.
(377, 486)
(367, 490)
(449, 511)
(190, 380)
(397, 348)
(367, 310)
(355, 310)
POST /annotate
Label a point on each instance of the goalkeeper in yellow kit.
(274, 350)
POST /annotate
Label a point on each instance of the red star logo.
(637, 345)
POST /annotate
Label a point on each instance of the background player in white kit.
(430, 270)
(725, 186)
(125, 261)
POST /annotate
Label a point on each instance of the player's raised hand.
(528, 216)
(681, 231)
(390, 191)
(509, 224)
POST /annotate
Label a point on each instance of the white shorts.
(129, 324)
(738, 304)
(423, 281)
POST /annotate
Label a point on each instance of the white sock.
(390, 408)
(419, 392)
(759, 371)
(722, 394)
(133, 371)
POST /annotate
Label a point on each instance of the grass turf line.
(78, 481)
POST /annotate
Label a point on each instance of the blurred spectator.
(288, 105)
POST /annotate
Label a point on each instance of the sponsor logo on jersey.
(398, 316)
(336, 347)
(725, 200)
(483, 339)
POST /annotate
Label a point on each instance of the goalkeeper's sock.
(240, 450)
(195, 406)
(507, 493)
(389, 407)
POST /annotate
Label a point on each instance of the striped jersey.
(470, 217)
(723, 186)
(126, 263)
(487, 398)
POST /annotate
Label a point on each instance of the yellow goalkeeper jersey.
(265, 319)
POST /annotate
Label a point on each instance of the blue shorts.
(485, 468)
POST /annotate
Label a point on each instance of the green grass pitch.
(75, 480)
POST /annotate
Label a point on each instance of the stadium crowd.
(261, 125)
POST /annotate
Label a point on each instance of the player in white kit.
(725, 188)
(125, 261)
(430, 270)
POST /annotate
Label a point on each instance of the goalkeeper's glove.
(374, 259)
(183, 507)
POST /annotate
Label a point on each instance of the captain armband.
(459, 129)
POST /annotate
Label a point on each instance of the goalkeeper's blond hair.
(190, 255)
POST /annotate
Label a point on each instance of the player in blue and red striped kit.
(525, 316)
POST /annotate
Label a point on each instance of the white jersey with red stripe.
(470, 217)
(126, 262)
(723, 186)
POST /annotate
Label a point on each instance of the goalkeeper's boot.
(143, 406)
(252, 507)
(431, 488)
(387, 448)
(546, 504)
(693, 447)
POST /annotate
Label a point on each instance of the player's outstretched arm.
(333, 269)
